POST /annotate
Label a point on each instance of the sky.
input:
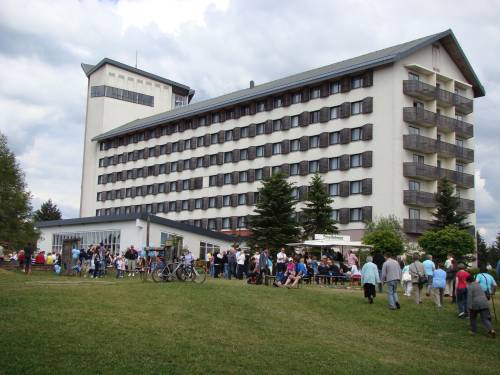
(214, 46)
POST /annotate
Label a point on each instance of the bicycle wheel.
(181, 274)
(198, 274)
(157, 275)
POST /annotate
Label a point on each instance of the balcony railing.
(419, 90)
(445, 124)
(461, 179)
(467, 205)
(446, 150)
(444, 98)
(421, 171)
(416, 226)
(463, 104)
(419, 198)
(419, 116)
(419, 143)
(464, 155)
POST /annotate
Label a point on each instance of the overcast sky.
(215, 47)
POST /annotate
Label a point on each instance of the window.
(140, 172)
(414, 185)
(295, 193)
(314, 141)
(213, 159)
(333, 189)
(439, 163)
(259, 129)
(276, 125)
(294, 169)
(212, 202)
(226, 223)
(335, 87)
(460, 168)
(230, 114)
(171, 206)
(261, 107)
(202, 121)
(150, 189)
(226, 200)
(334, 163)
(185, 164)
(356, 108)
(314, 92)
(128, 192)
(419, 159)
(187, 144)
(259, 151)
(243, 176)
(356, 134)
(228, 157)
(212, 181)
(199, 162)
(185, 205)
(414, 213)
(244, 132)
(418, 105)
(356, 82)
(121, 94)
(275, 170)
(185, 185)
(334, 138)
(140, 154)
(215, 117)
(211, 224)
(175, 147)
(459, 117)
(197, 223)
(173, 186)
(294, 145)
(227, 178)
(278, 102)
(296, 97)
(295, 121)
(459, 142)
(180, 100)
(314, 117)
(313, 166)
(355, 161)
(355, 187)
(242, 199)
(214, 138)
(228, 135)
(277, 148)
(259, 173)
(242, 222)
(356, 214)
(414, 130)
(245, 110)
(244, 154)
(334, 112)
(413, 76)
(335, 215)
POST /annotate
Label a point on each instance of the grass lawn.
(64, 325)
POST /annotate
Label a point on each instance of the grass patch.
(69, 325)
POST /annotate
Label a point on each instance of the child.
(478, 304)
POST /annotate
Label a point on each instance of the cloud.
(214, 46)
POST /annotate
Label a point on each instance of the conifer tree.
(274, 223)
(47, 211)
(16, 228)
(317, 215)
(448, 208)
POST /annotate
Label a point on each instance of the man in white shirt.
(280, 261)
(240, 264)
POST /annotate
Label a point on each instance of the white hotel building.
(381, 129)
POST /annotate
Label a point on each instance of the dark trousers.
(280, 267)
(96, 269)
(232, 270)
(369, 290)
(462, 300)
(485, 319)
(217, 269)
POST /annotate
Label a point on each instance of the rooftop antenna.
(136, 59)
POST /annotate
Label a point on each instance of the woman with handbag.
(418, 278)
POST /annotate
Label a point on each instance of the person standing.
(96, 260)
(477, 304)
(352, 259)
(131, 256)
(369, 278)
(461, 290)
(486, 282)
(263, 266)
(379, 260)
(281, 261)
(391, 275)
(406, 281)
(417, 277)
(28, 253)
(438, 284)
(450, 275)
(429, 268)
(240, 264)
(231, 259)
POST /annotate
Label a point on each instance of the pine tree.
(317, 215)
(274, 224)
(448, 208)
(16, 228)
(47, 211)
(482, 250)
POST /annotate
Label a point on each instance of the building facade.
(381, 129)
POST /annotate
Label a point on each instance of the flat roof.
(357, 64)
(132, 217)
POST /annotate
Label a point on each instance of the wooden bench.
(269, 279)
(34, 267)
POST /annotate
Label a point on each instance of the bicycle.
(196, 273)
(170, 272)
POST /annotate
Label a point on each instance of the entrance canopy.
(330, 240)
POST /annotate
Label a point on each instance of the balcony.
(467, 205)
(419, 90)
(461, 179)
(446, 150)
(416, 226)
(419, 143)
(419, 116)
(444, 98)
(464, 155)
(462, 104)
(419, 198)
(464, 129)
(420, 171)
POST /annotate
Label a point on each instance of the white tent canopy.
(330, 240)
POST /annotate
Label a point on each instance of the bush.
(450, 240)
(384, 241)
